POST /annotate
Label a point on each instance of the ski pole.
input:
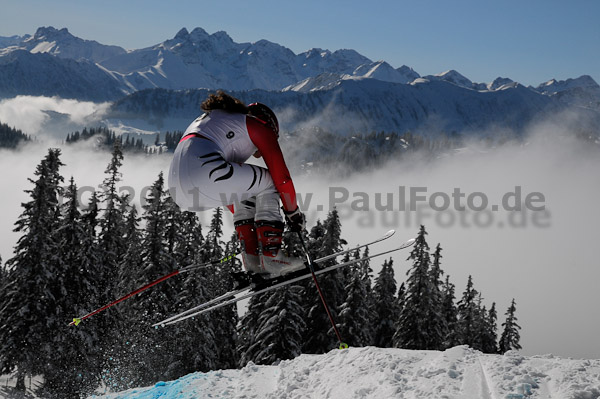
(78, 320)
(314, 277)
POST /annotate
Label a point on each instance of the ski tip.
(75, 322)
(389, 233)
(408, 243)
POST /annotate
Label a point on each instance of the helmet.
(265, 115)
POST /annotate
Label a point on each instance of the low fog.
(543, 258)
(50, 117)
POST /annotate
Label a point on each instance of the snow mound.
(379, 373)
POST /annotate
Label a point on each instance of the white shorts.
(201, 179)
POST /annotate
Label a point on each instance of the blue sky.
(529, 41)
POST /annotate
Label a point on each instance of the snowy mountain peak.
(409, 73)
(381, 70)
(198, 35)
(182, 34)
(554, 86)
(12, 40)
(198, 59)
(222, 36)
(323, 81)
(61, 43)
(51, 33)
(500, 83)
(582, 91)
(454, 77)
(316, 52)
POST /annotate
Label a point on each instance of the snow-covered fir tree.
(158, 303)
(400, 299)
(327, 241)
(29, 304)
(3, 275)
(90, 215)
(437, 320)
(280, 327)
(225, 319)
(112, 222)
(510, 337)
(248, 328)
(468, 313)
(196, 340)
(449, 312)
(481, 325)
(354, 315)
(72, 367)
(489, 341)
(112, 248)
(125, 360)
(386, 307)
(415, 327)
(215, 235)
(366, 273)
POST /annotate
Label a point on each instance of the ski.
(204, 308)
(205, 304)
(232, 294)
(77, 320)
(345, 251)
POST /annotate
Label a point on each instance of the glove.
(295, 220)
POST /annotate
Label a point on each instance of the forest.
(72, 258)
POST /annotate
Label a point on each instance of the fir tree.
(90, 216)
(327, 241)
(449, 312)
(10, 137)
(354, 315)
(437, 320)
(369, 300)
(386, 307)
(215, 234)
(158, 303)
(278, 335)
(480, 325)
(509, 340)
(71, 369)
(112, 248)
(225, 320)
(3, 275)
(468, 311)
(110, 240)
(195, 340)
(401, 299)
(28, 301)
(415, 327)
(248, 328)
(490, 336)
(128, 356)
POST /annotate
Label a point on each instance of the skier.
(208, 170)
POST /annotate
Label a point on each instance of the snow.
(370, 372)
(43, 47)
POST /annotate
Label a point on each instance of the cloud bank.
(50, 117)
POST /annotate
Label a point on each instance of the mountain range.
(344, 90)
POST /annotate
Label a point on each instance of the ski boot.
(246, 233)
(273, 261)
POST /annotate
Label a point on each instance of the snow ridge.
(379, 373)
